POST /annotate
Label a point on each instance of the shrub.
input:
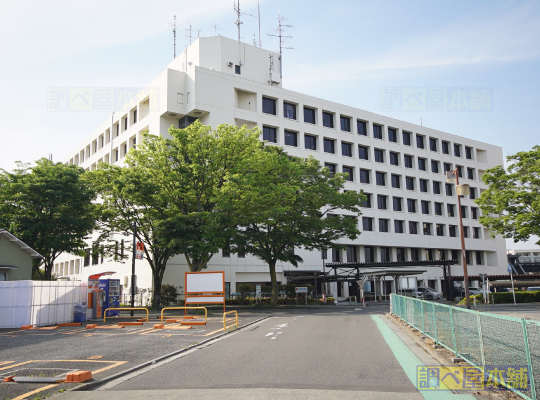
(169, 294)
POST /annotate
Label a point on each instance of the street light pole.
(133, 276)
(462, 231)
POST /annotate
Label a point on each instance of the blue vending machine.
(111, 294)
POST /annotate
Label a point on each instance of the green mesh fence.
(484, 340)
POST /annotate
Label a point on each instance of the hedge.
(507, 297)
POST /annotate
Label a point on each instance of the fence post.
(435, 323)
(453, 330)
(481, 341)
(422, 312)
(531, 376)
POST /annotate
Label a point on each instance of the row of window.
(385, 254)
(427, 228)
(398, 204)
(345, 124)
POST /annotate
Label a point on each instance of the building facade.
(410, 214)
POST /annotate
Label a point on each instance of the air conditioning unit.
(230, 64)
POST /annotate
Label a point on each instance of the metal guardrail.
(225, 320)
(481, 339)
(125, 309)
(185, 310)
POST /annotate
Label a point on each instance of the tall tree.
(189, 169)
(511, 204)
(278, 203)
(129, 198)
(49, 206)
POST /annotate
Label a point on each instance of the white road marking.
(358, 309)
(279, 333)
(269, 334)
(273, 337)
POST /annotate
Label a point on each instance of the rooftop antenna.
(238, 22)
(270, 80)
(173, 25)
(421, 121)
(254, 40)
(259, 14)
(188, 33)
(216, 29)
(282, 40)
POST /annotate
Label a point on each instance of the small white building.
(411, 213)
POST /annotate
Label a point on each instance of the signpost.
(512, 280)
(301, 289)
(486, 289)
(140, 251)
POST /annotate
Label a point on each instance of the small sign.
(300, 289)
(509, 269)
(139, 255)
(257, 291)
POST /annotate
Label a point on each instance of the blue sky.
(344, 51)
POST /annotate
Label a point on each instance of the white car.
(429, 293)
(474, 291)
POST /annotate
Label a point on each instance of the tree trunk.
(156, 298)
(272, 265)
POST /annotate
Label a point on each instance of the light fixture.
(463, 190)
(451, 176)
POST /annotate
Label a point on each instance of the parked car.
(411, 293)
(429, 293)
(472, 292)
(534, 288)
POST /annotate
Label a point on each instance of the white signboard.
(300, 289)
(205, 282)
(257, 291)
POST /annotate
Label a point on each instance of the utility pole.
(133, 276)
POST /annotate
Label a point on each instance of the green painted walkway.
(409, 362)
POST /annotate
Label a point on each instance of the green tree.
(189, 169)
(511, 204)
(49, 207)
(279, 202)
(130, 197)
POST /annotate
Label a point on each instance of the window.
(400, 254)
(289, 110)
(433, 144)
(436, 187)
(408, 161)
(439, 228)
(364, 175)
(449, 189)
(421, 164)
(269, 106)
(351, 254)
(377, 131)
(379, 155)
(452, 231)
(381, 202)
(446, 148)
(447, 167)
(291, 138)
(470, 173)
(476, 233)
(363, 152)
(415, 255)
(479, 260)
(310, 142)
(457, 150)
(398, 226)
(385, 254)
(225, 253)
(434, 166)
(394, 158)
(346, 149)
(472, 195)
(450, 208)
(367, 224)
(455, 255)
(427, 228)
(237, 69)
(349, 172)
(367, 200)
(424, 185)
(383, 225)
(420, 141)
(329, 146)
(413, 229)
(309, 115)
(369, 254)
(429, 254)
(425, 207)
(468, 153)
(362, 127)
(411, 205)
(409, 181)
(438, 208)
(125, 123)
(345, 123)
(392, 135)
(396, 181)
(270, 134)
(335, 255)
(331, 169)
(459, 171)
(406, 138)
(380, 178)
(397, 203)
(442, 256)
(468, 256)
(464, 211)
(474, 212)
(328, 119)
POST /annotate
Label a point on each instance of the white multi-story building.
(411, 213)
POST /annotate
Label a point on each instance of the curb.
(93, 385)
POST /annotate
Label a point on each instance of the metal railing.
(481, 339)
(185, 313)
(125, 316)
(235, 324)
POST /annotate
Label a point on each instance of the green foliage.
(49, 207)
(169, 294)
(279, 202)
(522, 296)
(266, 290)
(39, 275)
(511, 204)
